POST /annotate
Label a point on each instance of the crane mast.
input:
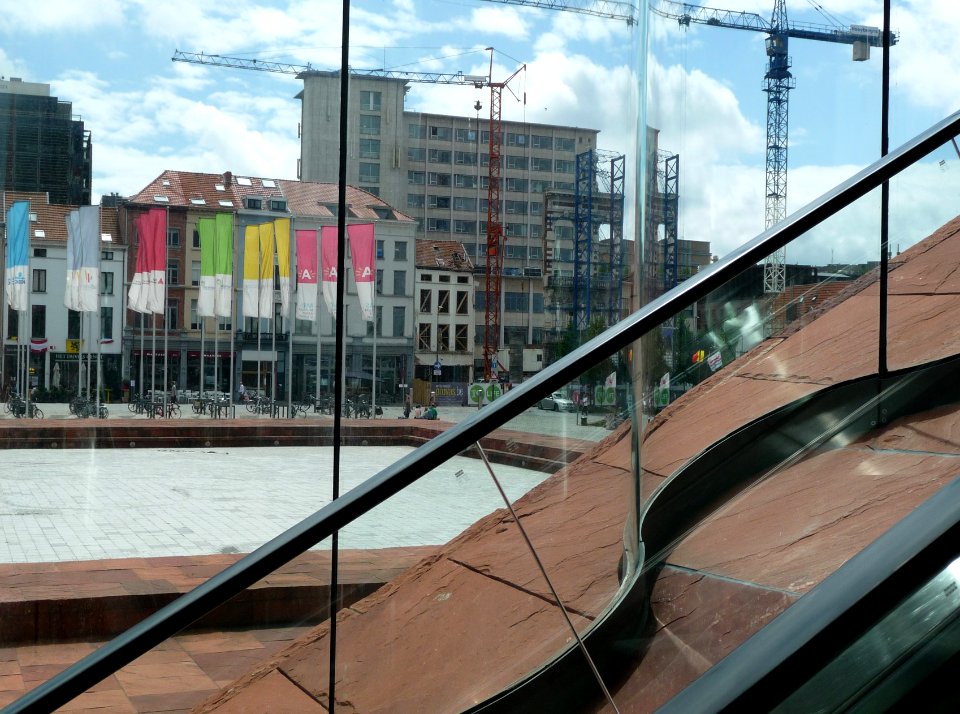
(778, 81)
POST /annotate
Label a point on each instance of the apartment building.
(435, 168)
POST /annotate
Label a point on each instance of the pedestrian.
(242, 393)
(406, 407)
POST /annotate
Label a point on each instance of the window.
(369, 173)
(369, 148)
(563, 185)
(369, 101)
(464, 226)
(463, 302)
(194, 317)
(416, 178)
(173, 237)
(538, 141)
(372, 190)
(106, 255)
(539, 186)
(106, 322)
(443, 302)
(536, 208)
(278, 204)
(173, 315)
(370, 124)
(415, 200)
(443, 278)
(464, 203)
(196, 239)
(400, 250)
(39, 282)
(106, 283)
(465, 135)
(424, 333)
(73, 324)
(536, 252)
(463, 279)
(375, 323)
(516, 139)
(438, 225)
(441, 133)
(443, 338)
(515, 302)
(438, 201)
(173, 273)
(538, 164)
(538, 302)
(440, 156)
(416, 153)
(380, 250)
(253, 203)
(465, 158)
(515, 230)
(195, 273)
(379, 281)
(416, 131)
(436, 179)
(516, 162)
(465, 181)
(517, 185)
(399, 282)
(399, 320)
(224, 323)
(461, 338)
(39, 252)
(517, 207)
(426, 301)
(563, 167)
(38, 321)
(566, 144)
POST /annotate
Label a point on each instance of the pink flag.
(328, 255)
(306, 275)
(364, 268)
(147, 288)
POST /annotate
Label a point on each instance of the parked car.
(556, 402)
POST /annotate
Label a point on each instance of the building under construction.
(43, 148)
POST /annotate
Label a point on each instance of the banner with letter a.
(364, 268)
(306, 275)
(328, 256)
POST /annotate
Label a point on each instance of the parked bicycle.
(18, 407)
(138, 404)
(83, 407)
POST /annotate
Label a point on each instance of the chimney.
(227, 179)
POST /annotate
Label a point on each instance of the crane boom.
(287, 68)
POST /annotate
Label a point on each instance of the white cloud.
(56, 16)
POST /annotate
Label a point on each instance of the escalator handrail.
(191, 606)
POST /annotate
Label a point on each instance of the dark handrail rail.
(172, 618)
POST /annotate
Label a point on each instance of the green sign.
(604, 396)
(493, 391)
(475, 395)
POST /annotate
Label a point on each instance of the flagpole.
(166, 327)
(3, 299)
(317, 315)
(373, 387)
(234, 260)
(29, 325)
(290, 262)
(98, 314)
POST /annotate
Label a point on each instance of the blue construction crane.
(778, 81)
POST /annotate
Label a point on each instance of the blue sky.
(111, 58)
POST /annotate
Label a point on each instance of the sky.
(112, 60)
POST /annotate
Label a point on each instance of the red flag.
(364, 269)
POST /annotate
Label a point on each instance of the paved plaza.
(74, 504)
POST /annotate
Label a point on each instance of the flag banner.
(715, 361)
(251, 272)
(266, 269)
(364, 269)
(137, 294)
(146, 292)
(223, 266)
(611, 380)
(89, 294)
(39, 344)
(18, 262)
(207, 228)
(282, 228)
(328, 257)
(82, 293)
(306, 275)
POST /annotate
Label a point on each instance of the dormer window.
(278, 204)
(254, 203)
